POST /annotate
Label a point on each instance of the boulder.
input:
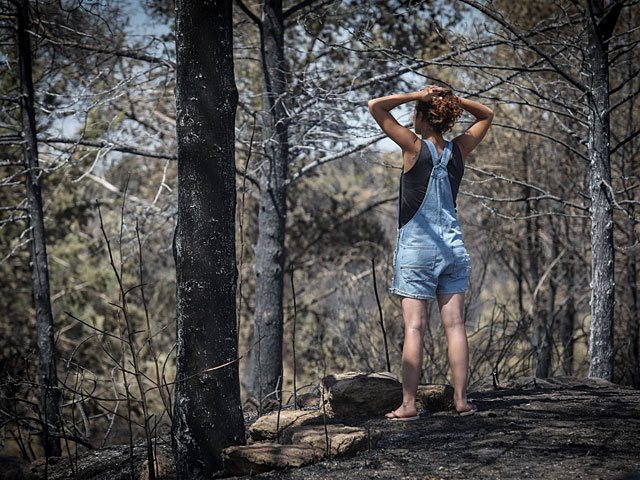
(357, 394)
(264, 428)
(435, 398)
(343, 440)
(262, 457)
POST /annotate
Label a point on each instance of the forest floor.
(562, 428)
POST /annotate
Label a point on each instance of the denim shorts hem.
(452, 292)
(411, 295)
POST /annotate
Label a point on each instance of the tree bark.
(568, 319)
(540, 340)
(265, 362)
(207, 415)
(601, 212)
(544, 348)
(49, 394)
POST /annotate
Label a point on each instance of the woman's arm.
(380, 108)
(476, 132)
(405, 138)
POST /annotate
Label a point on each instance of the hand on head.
(433, 91)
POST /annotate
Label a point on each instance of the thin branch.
(545, 194)
(112, 188)
(331, 158)
(249, 13)
(14, 249)
(109, 145)
(408, 69)
(5, 209)
(118, 53)
(624, 100)
(521, 199)
(300, 6)
(132, 151)
(623, 142)
(491, 14)
(544, 135)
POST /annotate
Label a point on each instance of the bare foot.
(463, 407)
(404, 411)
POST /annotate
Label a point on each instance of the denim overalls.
(430, 256)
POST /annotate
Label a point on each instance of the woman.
(430, 259)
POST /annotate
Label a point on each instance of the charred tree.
(568, 319)
(294, 107)
(600, 25)
(543, 364)
(540, 337)
(49, 394)
(599, 21)
(207, 415)
(265, 364)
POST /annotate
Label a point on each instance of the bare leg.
(414, 312)
(451, 314)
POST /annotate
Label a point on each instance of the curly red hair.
(441, 111)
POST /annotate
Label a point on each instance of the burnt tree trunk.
(599, 27)
(49, 394)
(543, 363)
(568, 319)
(600, 24)
(207, 415)
(539, 335)
(265, 362)
(633, 345)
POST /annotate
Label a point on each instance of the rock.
(15, 468)
(265, 427)
(262, 457)
(163, 467)
(486, 384)
(358, 394)
(251, 405)
(309, 400)
(435, 398)
(270, 405)
(343, 440)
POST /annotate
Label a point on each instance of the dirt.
(565, 428)
(562, 428)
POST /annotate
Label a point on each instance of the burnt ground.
(562, 428)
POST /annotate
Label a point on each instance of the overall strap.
(446, 154)
(434, 153)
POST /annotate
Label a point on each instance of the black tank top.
(414, 183)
